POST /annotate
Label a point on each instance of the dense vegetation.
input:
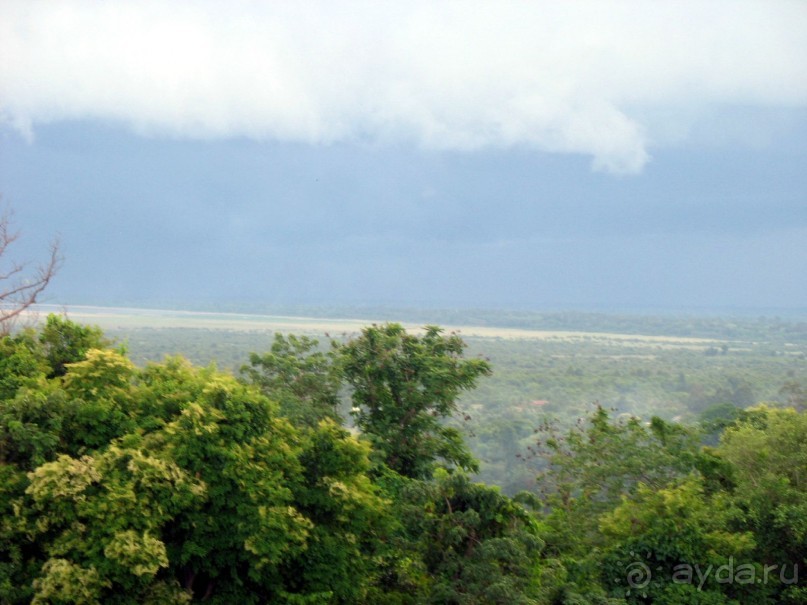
(174, 483)
(734, 361)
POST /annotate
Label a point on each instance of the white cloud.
(570, 77)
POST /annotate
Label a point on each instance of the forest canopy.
(174, 483)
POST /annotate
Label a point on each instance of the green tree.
(172, 483)
(26, 356)
(404, 387)
(32, 426)
(101, 401)
(661, 542)
(21, 362)
(351, 520)
(303, 380)
(100, 519)
(476, 545)
(768, 452)
(67, 342)
(592, 466)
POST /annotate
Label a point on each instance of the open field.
(122, 319)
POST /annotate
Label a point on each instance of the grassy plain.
(121, 319)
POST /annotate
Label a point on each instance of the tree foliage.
(404, 387)
(303, 380)
(172, 483)
(768, 452)
(650, 516)
(477, 546)
(669, 533)
(592, 466)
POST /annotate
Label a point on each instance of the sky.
(477, 154)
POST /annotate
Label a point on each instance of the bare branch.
(17, 291)
(7, 237)
(11, 272)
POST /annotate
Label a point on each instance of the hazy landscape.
(416, 303)
(675, 367)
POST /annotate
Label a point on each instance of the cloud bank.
(604, 79)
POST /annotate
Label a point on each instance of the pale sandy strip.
(126, 318)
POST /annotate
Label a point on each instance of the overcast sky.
(457, 154)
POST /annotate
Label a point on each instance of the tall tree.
(404, 387)
(302, 379)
